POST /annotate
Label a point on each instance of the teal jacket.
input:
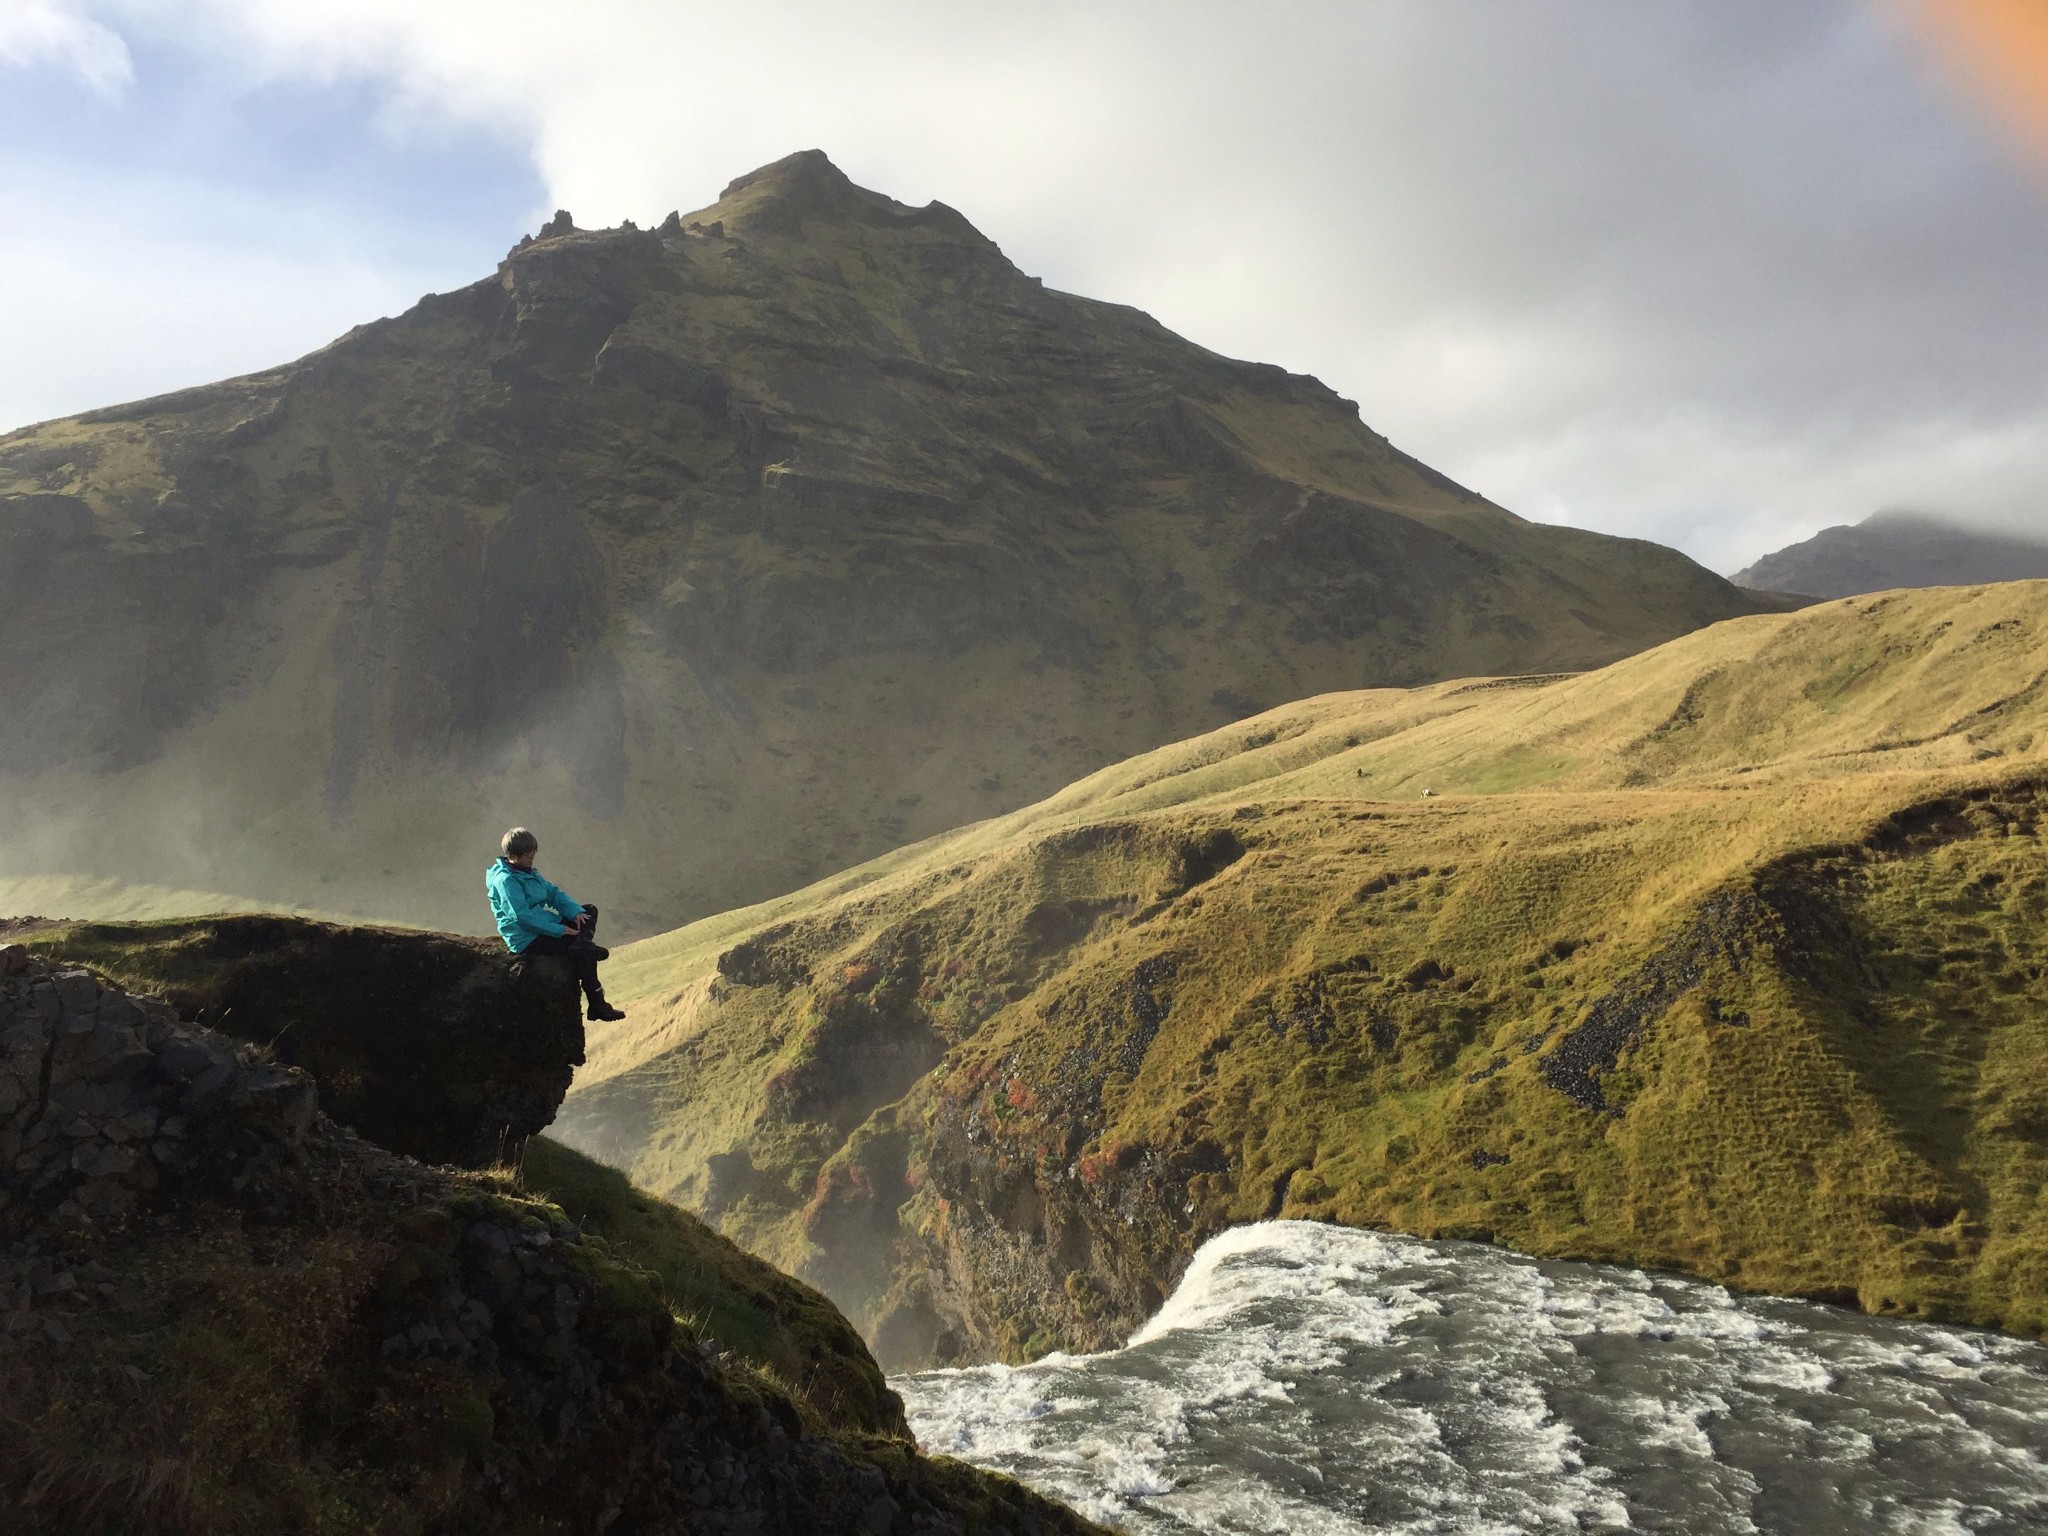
(520, 899)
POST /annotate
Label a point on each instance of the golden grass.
(1799, 853)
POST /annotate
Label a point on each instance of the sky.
(1717, 273)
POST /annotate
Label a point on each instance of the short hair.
(518, 843)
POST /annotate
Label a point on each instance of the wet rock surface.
(223, 1311)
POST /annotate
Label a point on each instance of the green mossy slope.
(1726, 958)
(737, 1302)
(726, 555)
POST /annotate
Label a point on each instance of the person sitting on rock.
(538, 917)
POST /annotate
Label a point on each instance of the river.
(1316, 1381)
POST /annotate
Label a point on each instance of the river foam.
(1317, 1381)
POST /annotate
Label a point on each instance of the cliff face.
(727, 554)
(225, 1313)
(444, 1049)
(1723, 959)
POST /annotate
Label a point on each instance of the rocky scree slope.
(1723, 959)
(729, 553)
(223, 1312)
(1896, 549)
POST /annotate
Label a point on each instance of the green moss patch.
(727, 1296)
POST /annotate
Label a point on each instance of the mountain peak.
(790, 195)
(1897, 547)
(808, 176)
(783, 440)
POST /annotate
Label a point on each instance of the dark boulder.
(443, 1048)
(104, 1095)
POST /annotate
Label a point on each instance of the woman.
(538, 917)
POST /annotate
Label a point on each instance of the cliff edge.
(225, 1312)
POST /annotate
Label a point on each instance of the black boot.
(601, 1011)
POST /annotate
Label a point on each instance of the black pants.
(580, 947)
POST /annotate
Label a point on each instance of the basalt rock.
(103, 1095)
(443, 1048)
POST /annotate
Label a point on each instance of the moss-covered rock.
(447, 1049)
(732, 1300)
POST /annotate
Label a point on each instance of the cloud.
(133, 278)
(1716, 273)
(212, 219)
(45, 31)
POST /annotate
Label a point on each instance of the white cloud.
(207, 314)
(46, 31)
(1713, 273)
(150, 286)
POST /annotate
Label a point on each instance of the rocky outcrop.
(443, 1048)
(104, 1095)
(225, 1313)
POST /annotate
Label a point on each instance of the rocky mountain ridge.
(1897, 549)
(726, 553)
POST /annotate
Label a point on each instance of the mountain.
(227, 1313)
(725, 554)
(1896, 549)
(1726, 958)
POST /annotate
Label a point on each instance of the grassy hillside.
(116, 900)
(726, 554)
(1726, 957)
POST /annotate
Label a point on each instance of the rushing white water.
(1316, 1381)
